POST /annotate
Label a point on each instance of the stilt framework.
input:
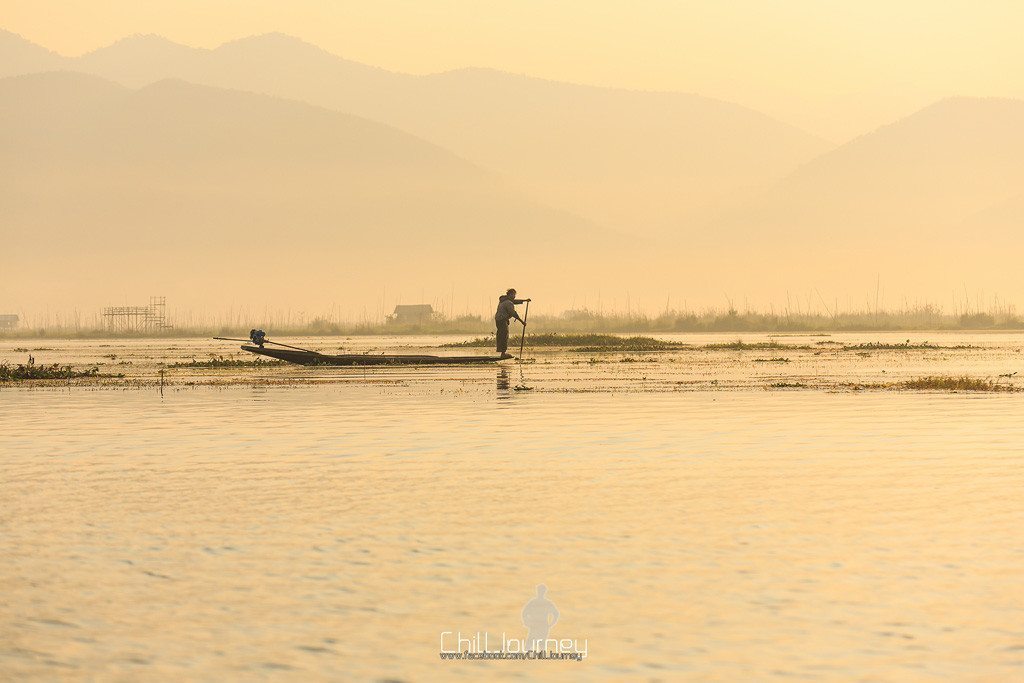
(151, 318)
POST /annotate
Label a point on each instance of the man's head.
(541, 590)
(511, 293)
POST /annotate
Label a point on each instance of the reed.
(580, 322)
(962, 383)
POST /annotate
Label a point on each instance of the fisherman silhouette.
(539, 615)
(506, 311)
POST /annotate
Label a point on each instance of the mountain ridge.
(175, 181)
(639, 160)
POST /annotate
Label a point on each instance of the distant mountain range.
(919, 176)
(932, 203)
(642, 162)
(186, 174)
(269, 143)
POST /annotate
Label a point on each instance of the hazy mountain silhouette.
(642, 161)
(184, 174)
(930, 200)
(20, 56)
(105, 169)
(917, 176)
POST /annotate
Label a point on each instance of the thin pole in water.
(522, 342)
(522, 339)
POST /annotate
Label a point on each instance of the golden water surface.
(333, 530)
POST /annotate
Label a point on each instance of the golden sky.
(833, 68)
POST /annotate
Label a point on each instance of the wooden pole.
(267, 341)
(522, 339)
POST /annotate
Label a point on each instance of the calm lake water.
(332, 527)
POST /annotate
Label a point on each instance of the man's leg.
(502, 338)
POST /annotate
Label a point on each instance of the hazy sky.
(834, 68)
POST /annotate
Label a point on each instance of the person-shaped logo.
(539, 615)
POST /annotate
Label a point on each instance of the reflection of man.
(539, 615)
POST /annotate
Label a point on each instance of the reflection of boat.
(313, 358)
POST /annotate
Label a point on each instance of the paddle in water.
(522, 344)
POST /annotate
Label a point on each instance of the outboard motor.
(257, 337)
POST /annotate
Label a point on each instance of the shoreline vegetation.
(581, 342)
(598, 343)
(579, 322)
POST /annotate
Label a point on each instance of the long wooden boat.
(313, 358)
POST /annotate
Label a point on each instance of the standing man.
(506, 311)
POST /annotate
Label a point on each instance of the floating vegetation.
(583, 343)
(222, 362)
(477, 342)
(905, 346)
(771, 360)
(632, 345)
(598, 343)
(788, 385)
(962, 383)
(740, 345)
(31, 371)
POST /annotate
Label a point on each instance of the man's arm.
(516, 315)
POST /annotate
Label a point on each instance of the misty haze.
(570, 341)
(352, 188)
